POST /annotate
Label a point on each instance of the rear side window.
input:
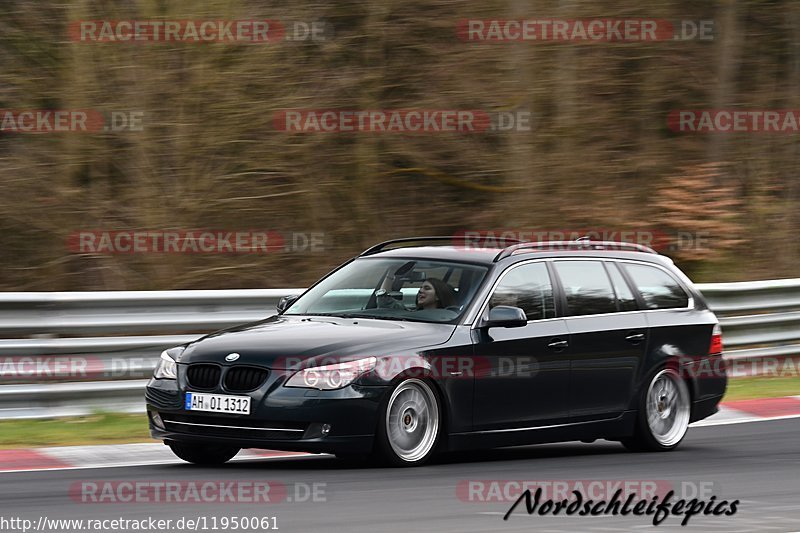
(587, 287)
(527, 287)
(659, 290)
(625, 298)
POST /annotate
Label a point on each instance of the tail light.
(716, 341)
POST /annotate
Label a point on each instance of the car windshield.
(388, 288)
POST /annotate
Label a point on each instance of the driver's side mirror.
(286, 302)
(505, 316)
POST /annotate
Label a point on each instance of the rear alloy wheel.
(409, 430)
(664, 413)
(203, 454)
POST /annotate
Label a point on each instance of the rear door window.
(587, 288)
(659, 290)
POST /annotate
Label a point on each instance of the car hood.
(284, 342)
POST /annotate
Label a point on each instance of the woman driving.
(433, 294)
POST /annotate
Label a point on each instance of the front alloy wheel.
(409, 429)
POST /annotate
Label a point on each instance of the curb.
(110, 456)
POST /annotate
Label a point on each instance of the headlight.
(167, 368)
(331, 377)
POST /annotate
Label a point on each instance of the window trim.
(472, 317)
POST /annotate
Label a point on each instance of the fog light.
(326, 428)
(156, 418)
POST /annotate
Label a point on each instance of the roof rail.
(448, 238)
(581, 244)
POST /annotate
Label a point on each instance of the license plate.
(217, 403)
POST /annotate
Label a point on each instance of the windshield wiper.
(357, 315)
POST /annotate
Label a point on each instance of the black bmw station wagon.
(424, 345)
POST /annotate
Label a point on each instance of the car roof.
(484, 256)
(488, 256)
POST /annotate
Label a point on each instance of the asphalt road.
(756, 463)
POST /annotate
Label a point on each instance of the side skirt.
(612, 429)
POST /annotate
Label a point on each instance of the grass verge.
(762, 387)
(103, 428)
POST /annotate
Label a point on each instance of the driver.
(434, 294)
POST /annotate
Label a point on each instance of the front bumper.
(281, 418)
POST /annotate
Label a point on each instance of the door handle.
(635, 338)
(558, 345)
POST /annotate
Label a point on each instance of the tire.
(203, 454)
(664, 412)
(410, 424)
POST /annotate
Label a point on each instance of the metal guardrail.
(758, 318)
(118, 337)
(80, 313)
(83, 372)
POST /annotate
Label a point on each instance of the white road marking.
(708, 422)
